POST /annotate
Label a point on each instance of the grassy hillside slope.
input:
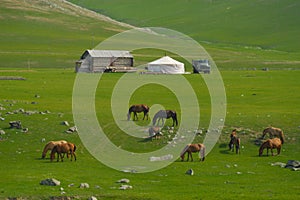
(39, 33)
(267, 24)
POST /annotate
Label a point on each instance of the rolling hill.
(41, 33)
(261, 24)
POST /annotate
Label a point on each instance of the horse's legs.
(135, 116)
(278, 150)
(190, 154)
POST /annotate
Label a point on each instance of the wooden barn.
(105, 61)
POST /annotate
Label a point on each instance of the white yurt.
(166, 65)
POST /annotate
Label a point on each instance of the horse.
(137, 109)
(50, 145)
(274, 132)
(160, 115)
(154, 132)
(192, 148)
(274, 143)
(234, 141)
(61, 149)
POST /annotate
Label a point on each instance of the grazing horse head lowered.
(49, 146)
(63, 148)
(274, 143)
(165, 114)
(192, 148)
(137, 109)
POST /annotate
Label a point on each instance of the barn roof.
(107, 54)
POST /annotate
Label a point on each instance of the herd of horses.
(275, 141)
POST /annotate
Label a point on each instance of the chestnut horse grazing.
(137, 109)
(274, 143)
(50, 145)
(165, 114)
(192, 148)
(61, 149)
(274, 132)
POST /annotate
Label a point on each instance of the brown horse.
(61, 149)
(137, 109)
(274, 132)
(274, 143)
(50, 145)
(235, 141)
(192, 148)
(165, 114)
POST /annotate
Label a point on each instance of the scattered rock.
(190, 172)
(2, 118)
(50, 182)
(2, 132)
(291, 164)
(92, 198)
(65, 123)
(25, 130)
(123, 180)
(161, 158)
(72, 129)
(278, 164)
(15, 124)
(71, 185)
(84, 185)
(125, 187)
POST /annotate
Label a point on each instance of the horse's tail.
(183, 151)
(128, 115)
(74, 148)
(175, 118)
(202, 153)
(281, 137)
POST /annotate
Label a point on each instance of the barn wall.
(123, 62)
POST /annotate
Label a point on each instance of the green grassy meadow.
(41, 40)
(222, 172)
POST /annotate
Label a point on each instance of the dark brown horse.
(274, 143)
(235, 141)
(137, 109)
(192, 148)
(63, 148)
(274, 132)
(165, 114)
